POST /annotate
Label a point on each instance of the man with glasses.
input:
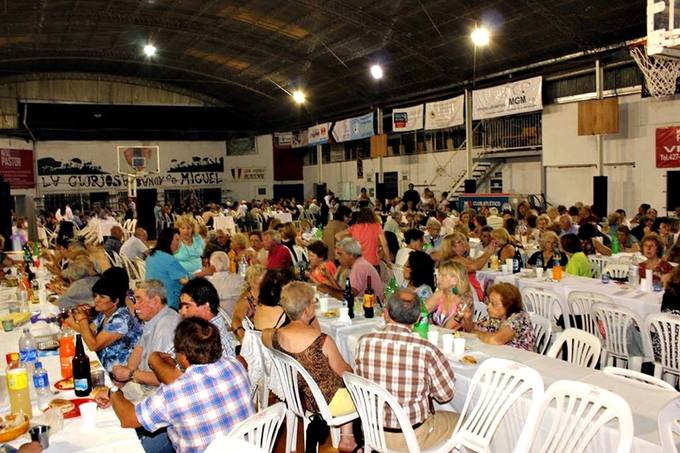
(412, 370)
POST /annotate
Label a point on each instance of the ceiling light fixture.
(377, 71)
(149, 50)
(298, 97)
(480, 36)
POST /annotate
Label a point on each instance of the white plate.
(479, 356)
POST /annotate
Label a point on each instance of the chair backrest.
(580, 304)
(583, 349)
(301, 253)
(540, 301)
(140, 265)
(667, 329)
(669, 426)
(542, 332)
(624, 373)
(617, 270)
(261, 429)
(597, 263)
(616, 321)
(370, 400)
(132, 270)
(496, 386)
(579, 410)
(288, 370)
(481, 310)
(114, 258)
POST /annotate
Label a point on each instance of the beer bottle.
(82, 380)
(369, 299)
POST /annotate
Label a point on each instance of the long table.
(108, 436)
(645, 403)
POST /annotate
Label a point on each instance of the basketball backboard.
(663, 28)
(138, 160)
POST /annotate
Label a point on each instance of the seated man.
(157, 335)
(198, 299)
(115, 241)
(411, 369)
(209, 398)
(135, 246)
(229, 286)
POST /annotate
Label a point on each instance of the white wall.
(522, 177)
(628, 185)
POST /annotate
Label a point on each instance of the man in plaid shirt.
(412, 370)
(210, 397)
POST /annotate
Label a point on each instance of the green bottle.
(423, 324)
(616, 247)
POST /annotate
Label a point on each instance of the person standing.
(411, 195)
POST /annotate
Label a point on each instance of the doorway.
(389, 188)
(146, 201)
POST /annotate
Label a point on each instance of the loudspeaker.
(5, 213)
(600, 196)
(470, 186)
(319, 192)
(672, 190)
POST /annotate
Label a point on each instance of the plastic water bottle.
(605, 277)
(242, 266)
(634, 276)
(41, 383)
(28, 351)
(539, 260)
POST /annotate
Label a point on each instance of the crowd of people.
(177, 345)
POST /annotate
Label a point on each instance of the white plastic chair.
(542, 302)
(223, 443)
(597, 263)
(624, 373)
(542, 332)
(114, 258)
(140, 265)
(617, 322)
(370, 400)
(496, 386)
(583, 349)
(481, 310)
(667, 329)
(669, 426)
(132, 270)
(288, 370)
(579, 411)
(260, 429)
(580, 304)
(617, 270)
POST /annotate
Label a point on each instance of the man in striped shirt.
(412, 370)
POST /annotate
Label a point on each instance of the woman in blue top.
(191, 244)
(163, 266)
(115, 331)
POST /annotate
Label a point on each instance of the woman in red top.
(321, 269)
(368, 232)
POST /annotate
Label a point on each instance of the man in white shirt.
(494, 220)
(135, 246)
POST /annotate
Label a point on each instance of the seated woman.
(452, 297)
(593, 241)
(79, 278)
(627, 242)
(316, 352)
(190, 246)
(542, 223)
(506, 245)
(670, 304)
(419, 273)
(578, 263)
(247, 303)
(507, 323)
(550, 244)
(652, 249)
(162, 265)
(268, 313)
(114, 332)
(238, 249)
(456, 246)
(321, 269)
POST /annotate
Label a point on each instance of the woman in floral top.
(115, 331)
(453, 296)
(507, 323)
(419, 273)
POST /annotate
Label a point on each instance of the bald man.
(115, 240)
(135, 246)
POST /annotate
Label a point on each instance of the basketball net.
(661, 73)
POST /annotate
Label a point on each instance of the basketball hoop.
(133, 162)
(661, 72)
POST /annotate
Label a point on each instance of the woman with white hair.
(227, 284)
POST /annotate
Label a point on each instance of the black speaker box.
(600, 196)
(470, 186)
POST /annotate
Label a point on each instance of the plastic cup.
(447, 343)
(458, 347)
(323, 304)
(433, 337)
(508, 262)
(41, 434)
(98, 377)
(8, 325)
(505, 269)
(539, 272)
(88, 414)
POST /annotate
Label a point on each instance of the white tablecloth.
(644, 403)
(224, 223)
(108, 436)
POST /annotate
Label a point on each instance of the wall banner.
(407, 119)
(668, 147)
(318, 134)
(516, 97)
(283, 139)
(354, 128)
(300, 139)
(248, 173)
(16, 167)
(446, 113)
